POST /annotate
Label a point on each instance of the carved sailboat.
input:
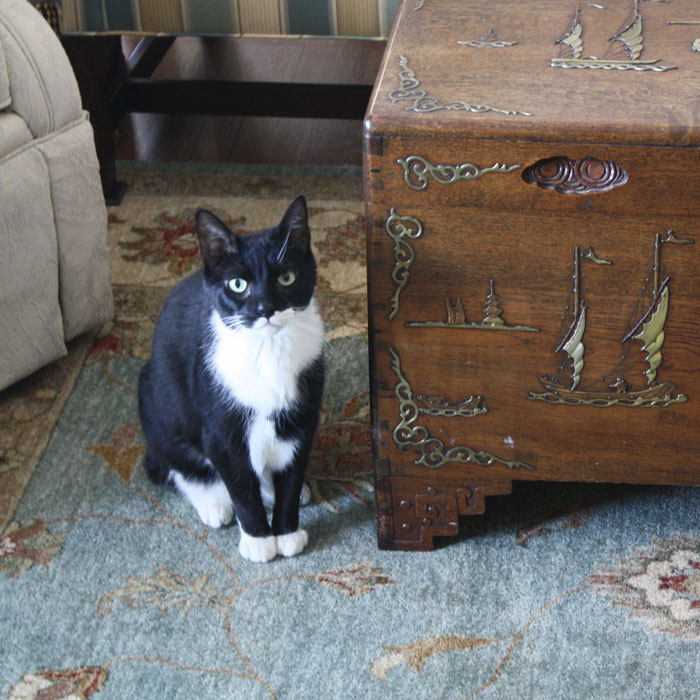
(641, 342)
(627, 42)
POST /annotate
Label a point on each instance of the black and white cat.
(230, 398)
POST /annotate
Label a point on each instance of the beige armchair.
(54, 267)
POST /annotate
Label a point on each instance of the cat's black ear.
(294, 227)
(215, 238)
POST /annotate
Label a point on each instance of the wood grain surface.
(594, 105)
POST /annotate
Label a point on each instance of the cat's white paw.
(292, 543)
(305, 496)
(257, 549)
(215, 513)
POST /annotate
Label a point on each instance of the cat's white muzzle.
(274, 324)
(266, 327)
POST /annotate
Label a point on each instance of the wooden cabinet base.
(411, 512)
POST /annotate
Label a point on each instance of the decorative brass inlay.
(456, 318)
(408, 433)
(487, 41)
(420, 169)
(440, 406)
(419, 5)
(420, 101)
(646, 326)
(399, 228)
(630, 44)
(695, 45)
(583, 176)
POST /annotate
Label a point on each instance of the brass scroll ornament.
(408, 433)
(417, 171)
(399, 228)
(419, 101)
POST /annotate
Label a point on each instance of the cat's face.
(260, 280)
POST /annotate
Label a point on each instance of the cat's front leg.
(291, 540)
(257, 543)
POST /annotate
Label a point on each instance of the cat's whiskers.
(233, 323)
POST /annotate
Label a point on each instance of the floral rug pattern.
(113, 588)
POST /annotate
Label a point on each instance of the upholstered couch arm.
(43, 89)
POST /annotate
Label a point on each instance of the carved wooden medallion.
(583, 176)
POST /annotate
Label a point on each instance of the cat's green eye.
(286, 279)
(238, 285)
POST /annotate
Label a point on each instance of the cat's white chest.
(266, 449)
(259, 371)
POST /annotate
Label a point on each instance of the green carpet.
(112, 587)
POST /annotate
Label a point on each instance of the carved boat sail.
(649, 328)
(631, 36)
(646, 329)
(572, 37)
(574, 348)
(652, 335)
(571, 346)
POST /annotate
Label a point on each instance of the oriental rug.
(111, 587)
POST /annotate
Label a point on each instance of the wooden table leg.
(99, 66)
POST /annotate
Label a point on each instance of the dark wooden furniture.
(113, 85)
(534, 253)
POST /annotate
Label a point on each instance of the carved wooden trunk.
(534, 248)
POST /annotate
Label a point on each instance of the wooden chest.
(533, 202)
